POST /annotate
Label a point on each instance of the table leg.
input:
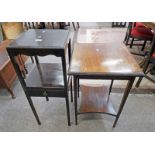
(75, 98)
(36, 58)
(66, 88)
(19, 74)
(69, 51)
(33, 109)
(112, 81)
(125, 96)
(71, 90)
(78, 81)
(110, 88)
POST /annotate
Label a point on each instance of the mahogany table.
(109, 61)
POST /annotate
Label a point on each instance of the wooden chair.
(137, 32)
(63, 25)
(149, 64)
(38, 25)
(50, 25)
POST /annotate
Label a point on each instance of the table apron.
(104, 77)
(34, 52)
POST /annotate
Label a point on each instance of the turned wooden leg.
(11, 92)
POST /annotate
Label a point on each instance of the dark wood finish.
(124, 98)
(110, 61)
(45, 75)
(7, 72)
(41, 42)
(63, 25)
(95, 100)
(38, 25)
(45, 80)
(75, 79)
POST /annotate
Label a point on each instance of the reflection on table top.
(41, 38)
(100, 35)
(103, 59)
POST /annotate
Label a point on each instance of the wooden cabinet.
(7, 72)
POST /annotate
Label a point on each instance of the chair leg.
(47, 99)
(11, 92)
(125, 38)
(74, 26)
(52, 25)
(146, 64)
(141, 64)
(131, 42)
(32, 59)
(138, 82)
(36, 59)
(143, 45)
(78, 24)
(23, 74)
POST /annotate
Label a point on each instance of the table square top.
(103, 59)
(41, 39)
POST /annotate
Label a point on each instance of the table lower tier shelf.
(46, 75)
(95, 100)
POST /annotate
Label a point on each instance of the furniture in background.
(50, 25)
(149, 61)
(63, 25)
(137, 32)
(7, 72)
(1, 34)
(45, 79)
(118, 24)
(12, 30)
(38, 25)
